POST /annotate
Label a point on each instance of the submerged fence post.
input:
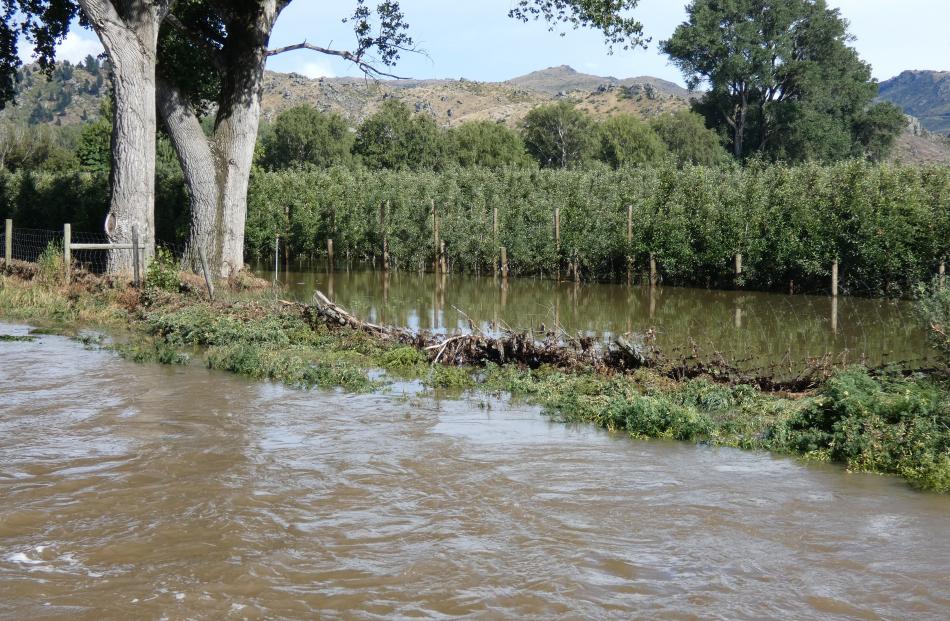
(494, 229)
(834, 279)
(557, 239)
(738, 270)
(435, 235)
(382, 227)
(941, 272)
(67, 249)
(136, 280)
(330, 253)
(629, 244)
(652, 270)
(504, 263)
(8, 241)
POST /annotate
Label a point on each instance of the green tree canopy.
(559, 135)
(395, 138)
(688, 139)
(487, 144)
(782, 77)
(304, 137)
(625, 140)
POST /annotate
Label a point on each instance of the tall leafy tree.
(304, 137)
(559, 135)
(688, 139)
(488, 144)
(781, 75)
(394, 138)
(624, 140)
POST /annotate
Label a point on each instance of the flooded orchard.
(752, 329)
(143, 491)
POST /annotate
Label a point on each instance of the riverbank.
(876, 423)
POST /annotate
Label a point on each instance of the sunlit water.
(147, 492)
(752, 329)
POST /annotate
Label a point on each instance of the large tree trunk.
(129, 34)
(218, 167)
(199, 163)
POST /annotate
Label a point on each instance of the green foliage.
(303, 137)
(782, 78)
(51, 265)
(933, 308)
(449, 377)
(878, 425)
(689, 140)
(887, 225)
(394, 138)
(559, 135)
(402, 358)
(162, 272)
(625, 140)
(487, 144)
(877, 128)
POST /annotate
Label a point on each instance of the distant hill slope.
(565, 79)
(922, 94)
(75, 92)
(455, 101)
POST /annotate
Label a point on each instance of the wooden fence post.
(382, 227)
(941, 271)
(8, 241)
(494, 229)
(136, 276)
(435, 235)
(557, 239)
(443, 260)
(504, 263)
(834, 279)
(653, 278)
(68, 250)
(738, 270)
(629, 244)
(330, 253)
(204, 270)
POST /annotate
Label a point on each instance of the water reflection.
(755, 328)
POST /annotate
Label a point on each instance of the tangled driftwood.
(559, 349)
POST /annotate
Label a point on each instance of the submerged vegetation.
(874, 422)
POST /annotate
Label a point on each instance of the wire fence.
(28, 245)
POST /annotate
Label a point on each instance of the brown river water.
(752, 329)
(148, 492)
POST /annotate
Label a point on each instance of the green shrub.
(872, 424)
(52, 265)
(162, 272)
(933, 308)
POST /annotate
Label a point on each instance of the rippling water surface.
(146, 492)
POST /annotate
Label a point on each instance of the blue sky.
(477, 40)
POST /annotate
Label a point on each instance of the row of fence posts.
(500, 260)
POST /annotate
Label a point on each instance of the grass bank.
(874, 423)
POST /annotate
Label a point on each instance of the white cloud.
(75, 47)
(316, 70)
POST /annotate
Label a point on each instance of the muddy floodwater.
(148, 492)
(753, 330)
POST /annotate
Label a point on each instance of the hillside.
(74, 94)
(455, 101)
(923, 94)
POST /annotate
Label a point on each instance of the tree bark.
(217, 167)
(129, 33)
(200, 167)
